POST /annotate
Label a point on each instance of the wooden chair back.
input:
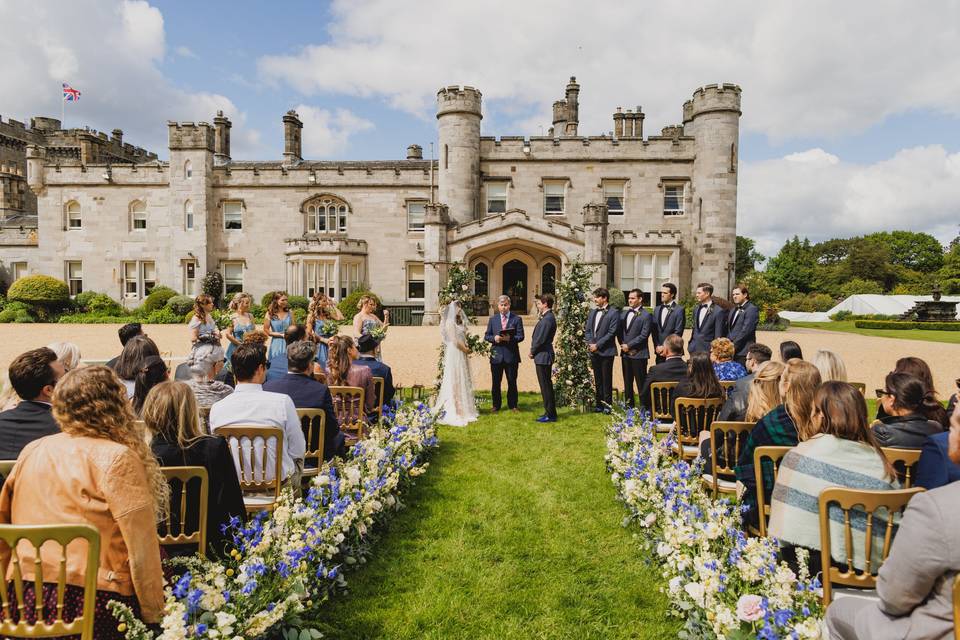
(692, 416)
(6, 466)
(956, 607)
(727, 385)
(892, 502)
(348, 406)
(249, 446)
(726, 440)
(660, 400)
(204, 419)
(416, 392)
(15, 622)
(774, 455)
(313, 422)
(187, 485)
(859, 386)
(379, 386)
(905, 462)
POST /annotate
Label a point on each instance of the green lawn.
(847, 326)
(514, 532)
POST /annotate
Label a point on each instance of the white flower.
(674, 584)
(650, 519)
(695, 590)
(750, 607)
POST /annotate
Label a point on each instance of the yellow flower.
(229, 573)
(122, 627)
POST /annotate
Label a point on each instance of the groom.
(541, 351)
(504, 332)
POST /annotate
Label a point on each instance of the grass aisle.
(513, 532)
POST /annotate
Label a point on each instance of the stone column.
(595, 248)
(435, 260)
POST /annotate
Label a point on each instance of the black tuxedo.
(603, 333)
(743, 327)
(504, 358)
(635, 327)
(26, 422)
(713, 326)
(541, 346)
(672, 369)
(673, 323)
(308, 393)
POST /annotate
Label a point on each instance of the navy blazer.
(714, 326)
(379, 370)
(674, 323)
(26, 422)
(308, 393)
(743, 332)
(606, 333)
(935, 468)
(505, 352)
(541, 345)
(637, 335)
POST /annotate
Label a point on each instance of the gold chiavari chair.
(260, 485)
(348, 406)
(726, 439)
(693, 415)
(660, 404)
(204, 419)
(905, 462)
(774, 454)
(379, 386)
(956, 607)
(859, 386)
(188, 486)
(892, 502)
(14, 623)
(6, 466)
(727, 385)
(314, 425)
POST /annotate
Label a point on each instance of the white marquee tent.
(865, 304)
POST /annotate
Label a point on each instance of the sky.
(851, 110)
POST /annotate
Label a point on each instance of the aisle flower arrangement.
(285, 564)
(722, 583)
(573, 381)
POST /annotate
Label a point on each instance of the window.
(613, 196)
(189, 277)
(350, 279)
(74, 277)
(415, 214)
(548, 278)
(233, 215)
(673, 199)
(188, 170)
(131, 288)
(148, 276)
(415, 289)
(139, 278)
(326, 214)
(320, 277)
(18, 270)
(553, 193)
(188, 216)
(496, 197)
(481, 284)
(138, 215)
(232, 278)
(644, 271)
(73, 216)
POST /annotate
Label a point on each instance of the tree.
(869, 259)
(833, 251)
(212, 285)
(792, 270)
(918, 251)
(747, 257)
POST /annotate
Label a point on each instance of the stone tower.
(712, 116)
(459, 115)
(190, 186)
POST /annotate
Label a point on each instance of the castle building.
(641, 209)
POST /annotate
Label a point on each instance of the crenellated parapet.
(712, 98)
(189, 135)
(456, 99)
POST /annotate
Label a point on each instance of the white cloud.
(185, 52)
(327, 133)
(821, 197)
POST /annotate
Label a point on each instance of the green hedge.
(180, 305)
(158, 298)
(40, 290)
(890, 324)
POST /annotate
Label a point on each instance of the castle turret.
(459, 114)
(195, 240)
(560, 117)
(36, 156)
(596, 248)
(712, 116)
(221, 139)
(435, 259)
(292, 145)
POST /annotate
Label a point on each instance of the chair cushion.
(853, 592)
(258, 499)
(722, 484)
(665, 427)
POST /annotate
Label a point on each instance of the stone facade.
(643, 210)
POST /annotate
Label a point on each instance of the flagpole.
(62, 101)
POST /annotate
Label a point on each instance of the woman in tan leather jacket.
(101, 472)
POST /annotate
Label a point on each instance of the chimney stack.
(414, 152)
(292, 145)
(221, 140)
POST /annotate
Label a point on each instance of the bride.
(455, 398)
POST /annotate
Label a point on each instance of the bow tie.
(739, 307)
(631, 310)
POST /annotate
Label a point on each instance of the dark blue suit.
(743, 327)
(307, 393)
(603, 333)
(673, 323)
(714, 326)
(635, 328)
(379, 370)
(935, 468)
(278, 369)
(541, 346)
(504, 358)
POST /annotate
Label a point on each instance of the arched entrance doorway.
(514, 281)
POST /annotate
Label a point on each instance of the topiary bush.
(97, 303)
(16, 312)
(298, 302)
(44, 295)
(180, 305)
(348, 306)
(212, 285)
(157, 298)
(618, 300)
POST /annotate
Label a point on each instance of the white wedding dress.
(455, 398)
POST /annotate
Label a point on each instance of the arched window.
(481, 285)
(548, 278)
(138, 215)
(326, 214)
(188, 215)
(188, 170)
(74, 221)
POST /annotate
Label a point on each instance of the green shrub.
(842, 315)
(903, 325)
(16, 312)
(180, 305)
(98, 303)
(157, 298)
(348, 306)
(807, 303)
(3, 301)
(43, 294)
(857, 286)
(212, 285)
(257, 312)
(298, 302)
(617, 298)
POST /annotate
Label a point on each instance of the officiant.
(505, 333)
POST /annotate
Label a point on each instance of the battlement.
(712, 98)
(518, 148)
(190, 135)
(456, 99)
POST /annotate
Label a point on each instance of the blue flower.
(183, 584)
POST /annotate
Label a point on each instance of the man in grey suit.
(634, 336)
(669, 319)
(744, 318)
(709, 320)
(541, 351)
(600, 333)
(915, 583)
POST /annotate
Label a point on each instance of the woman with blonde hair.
(67, 353)
(342, 372)
(240, 322)
(170, 414)
(202, 322)
(275, 322)
(112, 483)
(721, 354)
(830, 365)
(366, 320)
(321, 310)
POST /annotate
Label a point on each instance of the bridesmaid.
(240, 322)
(202, 322)
(366, 320)
(321, 310)
(275, 322)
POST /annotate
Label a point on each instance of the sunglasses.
(882, 392)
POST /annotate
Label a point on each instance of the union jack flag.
(69, 93)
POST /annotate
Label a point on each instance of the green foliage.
(42, 291)
(918, 251)
(348, 306)
(298, 302)
(212, 285)
(97, 303)
(158, 298)
(458, 287)
(618, 300)
(762, 292)
(572, 379)
(904, 325)
(858, 286)
(808, 303)
(747, 257)
(792, 270)
(869, 259)
(180, 305)
(16, 312)
(844, 314)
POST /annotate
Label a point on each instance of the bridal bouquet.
(329, 328)
(477, 345)
(379, 333)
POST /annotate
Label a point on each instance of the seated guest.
(250, 405)
(918, 368)
(790, 350)
(935, 468)
(278, 364)
(170, 413)
(8, 397)
(915, 582)
(952, 402)
(721, 354)
(735, 406)
(700, 381)
(134, 354)
(367, 346)
(307, 393)
(342, 372)
(205, 363)
(841, 452)
(99, 472)
(127, 331)
(906, 404)
(672, 369)
(257, 336)
(67, 353)
(830, 365)
(153, 372)
(33, 375)
(786, 425)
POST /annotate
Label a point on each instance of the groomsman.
(669, 318)
(541, 351)
(744, 318)
(709, 320)
(635, 325)
(504, 332)
(600, 333)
